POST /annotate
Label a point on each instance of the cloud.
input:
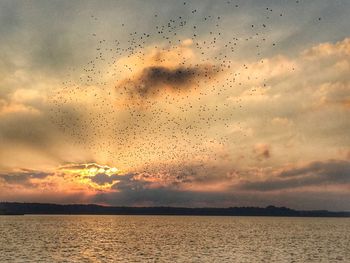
(315, 174)
(324, 50)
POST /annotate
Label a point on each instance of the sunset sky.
(176, 103)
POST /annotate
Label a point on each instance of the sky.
(176, 103)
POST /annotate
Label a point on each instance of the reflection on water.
(173, 239)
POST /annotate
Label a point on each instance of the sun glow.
(88, 174)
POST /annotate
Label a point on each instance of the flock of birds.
(146, 100)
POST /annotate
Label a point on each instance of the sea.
(88, 238)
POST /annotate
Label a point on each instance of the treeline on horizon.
(14, 208)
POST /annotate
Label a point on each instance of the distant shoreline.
(15, 208)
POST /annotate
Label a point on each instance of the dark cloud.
(196, 172)
(128, 183)
(164, 187)
(153, 79)
(78, 166)
(333, 172)
(138, 189)
(23, 177)
(167, 196)
(73, 166)
(139, 194)
(332, 168)
(102, 178)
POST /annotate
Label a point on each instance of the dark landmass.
(7, 208)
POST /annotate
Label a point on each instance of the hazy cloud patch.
(262, 151)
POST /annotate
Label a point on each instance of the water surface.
(173, 239)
